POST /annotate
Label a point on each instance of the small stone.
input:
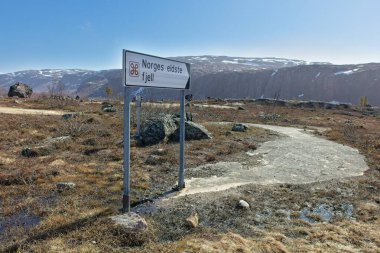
(243, 204)
(130, 222)
(193, 220)
(109, 109)
(160, 152)
(62, 186)
(239, 127)
(58, 162)
(68, 116)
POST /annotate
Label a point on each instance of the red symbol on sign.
(133, 69)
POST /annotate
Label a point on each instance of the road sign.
(151, 71)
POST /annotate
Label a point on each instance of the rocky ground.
(61, 200)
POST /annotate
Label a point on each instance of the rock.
(240, 108)
(62, 186)
(157, 129)
(239, 127)
(193, 221)
(106, 104)
(160, 152)
(130, 222)
(58, 162)
(68, 116)
(243, 204)
(20, 90)
(193, 131)
(109, 109)
(45, 148)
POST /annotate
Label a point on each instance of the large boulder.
(157, 129)
(193, 131)
(20, 90)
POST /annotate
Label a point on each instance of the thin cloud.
(86, 26)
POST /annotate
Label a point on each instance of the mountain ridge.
(228, 77)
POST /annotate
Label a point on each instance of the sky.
(90, 34)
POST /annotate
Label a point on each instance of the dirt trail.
(297, 157)
(11, 110)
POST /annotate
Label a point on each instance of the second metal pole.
(181, 174)
(138, 115)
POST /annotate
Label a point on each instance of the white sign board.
(150, 71)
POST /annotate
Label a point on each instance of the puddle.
(326, 213)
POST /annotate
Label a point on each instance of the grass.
(93, 160)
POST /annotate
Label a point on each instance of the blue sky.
(88, 34)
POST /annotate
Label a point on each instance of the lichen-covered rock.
(157, 129)
(62, 186)
(45, 148)
(193, 131)
(108, 107)
(239, 127)
(20, 90)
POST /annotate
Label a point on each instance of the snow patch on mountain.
(346, 72)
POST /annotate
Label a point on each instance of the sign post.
(138, 114)
(127, 151)
(142, 70)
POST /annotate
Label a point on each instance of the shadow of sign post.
(142, 70)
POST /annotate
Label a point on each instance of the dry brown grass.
(28, 184)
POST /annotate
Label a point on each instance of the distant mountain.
(40, 79)
(229, 77)
(207, 64)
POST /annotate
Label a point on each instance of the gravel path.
(11, 110)
(297, 157)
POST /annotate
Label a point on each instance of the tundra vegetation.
(40, 214)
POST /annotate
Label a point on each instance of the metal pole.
(127, 130)
(181, 174)
(138, 114)
(127, 144)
